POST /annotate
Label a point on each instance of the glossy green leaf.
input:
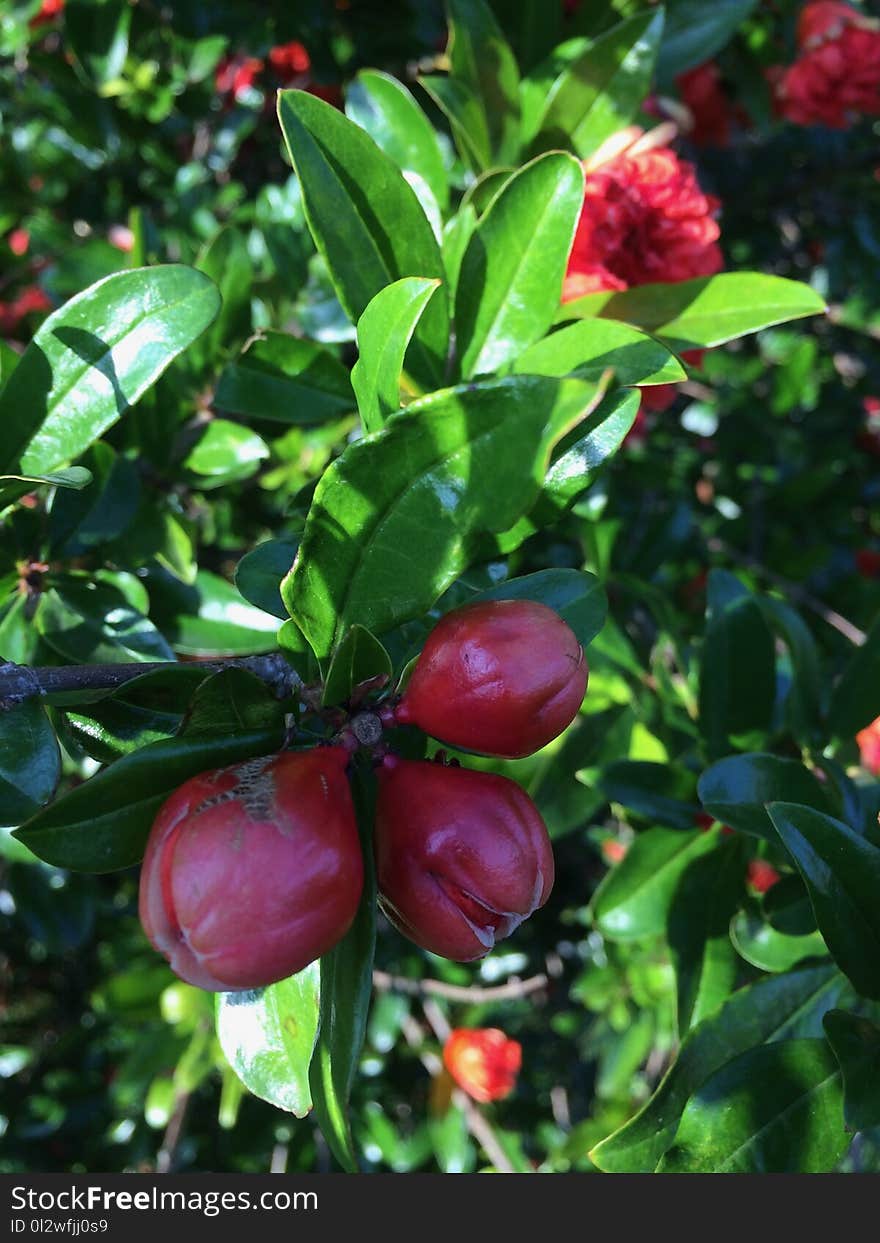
(856, 1045)
(389, 523)
(75, 477)
(388, 112)
(92, 622)
(696, 31)
(738, 788)
(854, 698)
(481, 57)
(704, 312)
(30, 762)
(97, 35)
(660, 792)
(775, 1008)
(776, 1109)
(384, 332)
(562, 787)
(103, 824)
(268, 1036)
(803, 703)
(209, 617)
(225, 452)
(511, 274)
(286, 380)
(705, 964)
(768, 949)
(633, 900)
(103, 510)
(259, 573)
(463, 109)
(346, 989)
(601, 90)
(95, 357)
(226, 261)
(577, 596)
(841, 870)
(359, 657)
(738, 668)
(588, 348)
(146, 709)
(456, 235)
(357, 202)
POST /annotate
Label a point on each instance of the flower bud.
(253, 871)
(483, 1062)
(502, 677)
(462, 857)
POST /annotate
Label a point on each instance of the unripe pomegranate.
(253, 871)
(462, 857)
(502, 677)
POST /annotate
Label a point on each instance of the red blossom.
(644, 220)
(236, 75)
(289, 60)
(49, 10)
(868, 742)
(28, 301)
(713, 113)
(483, 1062)
(19, 240)
(613, 850)
(836, 78)
(761, 875)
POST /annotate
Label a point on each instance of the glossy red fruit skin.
(462, 857)
(253, 871)
(501, 677)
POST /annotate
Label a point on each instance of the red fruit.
(462, 857)
(253, 871)
(761, 875)
(483, 1062)
(502, 677)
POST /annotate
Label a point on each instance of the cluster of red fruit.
(253, 871)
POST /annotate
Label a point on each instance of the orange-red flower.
(236, 75)
(837, 76)
(18, 241)
(48, 11)
(868, 740)
(761, 875)
(483, 1062)
(28, 301)
(289, 60)
(644, 219)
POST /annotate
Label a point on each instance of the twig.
(20, 682)
(828, 615)
(167, 1153)
(474, 993)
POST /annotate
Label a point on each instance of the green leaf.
(695, 31)
(590, 347)
(738, 667)
(389, 523)
(660, 792)
(388, 112)
(346, 989)
(91, 622)
(225, 452)
(75, 477)
(226, 261)
(634, 898)
(259, 573)
(97, 34)
(842, 873)
(705, 964)
(82, 519)
(384, 332)
(95, 357)
(209, 617)
(576, 595)
(704, 312)
(30, 762)
(463, 109)
(268, 1036)
(287, 380)
(738, 788)
(359, 657)
(602, 89)
(856, 1045)
(511, 274)
(357, 202)
(854, 698)
(768, 949)
(771, 1009)
(104, 823)
(776, 1109)
(803, 703)
(481, 57)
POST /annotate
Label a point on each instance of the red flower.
(713, 113)
(613, 850)
(868, 740)
(236, 75)
(19, 240)
(483, 1062)
(49, 10)
(121, 236)
(868, 563)
(837, 76)
(644, 220)
(289, 60)
(761, 875)
(28, 301)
